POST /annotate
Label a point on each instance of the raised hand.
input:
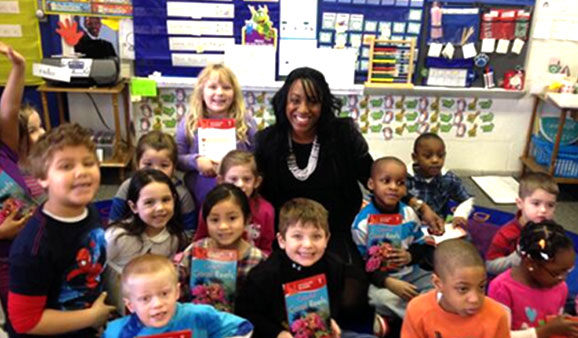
(12, 55)
(69, 32)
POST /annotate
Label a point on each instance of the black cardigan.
(262, 301)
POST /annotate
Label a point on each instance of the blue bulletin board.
(177, 38)
(351, 21)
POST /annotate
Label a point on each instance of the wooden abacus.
(390, 63)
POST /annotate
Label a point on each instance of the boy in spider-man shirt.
(57, 259)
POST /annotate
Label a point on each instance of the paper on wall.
(254, 65)
(488, 45)
(200, 44)
(195, 60)
(328, 20)
(517, 46)
(449, 50)
(503, 46)
(435, 49)
(10, 31)
(469, 50)
(126, 39)
(199, 10)
(197, 28)
(9, 7)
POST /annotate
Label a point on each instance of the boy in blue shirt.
(150, 288)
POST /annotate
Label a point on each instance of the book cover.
(384, 233)
(175, 334)
(216, 138)
(13, 197)
(307, 305)
(214, 277)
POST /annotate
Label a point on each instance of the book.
(307, 305)
(216, 138)
(13, 197)
(214, 277)
(384, 233)
(175, 334)
(551, 317)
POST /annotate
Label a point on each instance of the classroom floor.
(566, 209)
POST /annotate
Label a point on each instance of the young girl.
(240, 168)
(217, 95)
(152, 227)
(226, 212)
(157, 150)
(535, 290)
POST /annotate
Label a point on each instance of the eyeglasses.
(559, 276)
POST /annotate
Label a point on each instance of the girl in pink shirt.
(535, 290)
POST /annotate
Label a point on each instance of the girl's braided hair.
(541, 241)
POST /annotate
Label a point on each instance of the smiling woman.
(311, 153)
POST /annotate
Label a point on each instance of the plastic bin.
(567, 161)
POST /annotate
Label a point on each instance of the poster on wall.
(120, 8)
(19, 29)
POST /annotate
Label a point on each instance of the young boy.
(151, 289)
(391, 290)
(430, 181)
(57, 259)
(457, 307)
(536, 202)
(303, 237)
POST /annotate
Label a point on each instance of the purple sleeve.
(251, 132)
(187, 149)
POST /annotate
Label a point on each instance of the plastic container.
(567, 161)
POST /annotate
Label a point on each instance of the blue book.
(384, 233)
(214, 277)
(307, 305)
(13, 197)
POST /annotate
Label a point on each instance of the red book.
(175, 334)
(550, 318)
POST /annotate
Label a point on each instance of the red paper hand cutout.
(69, 32)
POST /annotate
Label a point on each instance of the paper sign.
(9, 7)
(206, 44)
(143, 87)
(488, 45)
(51, 72)
(356, 22)
(503, 46)
(200, 10)
(181, 27)
(449, 50)
(435, 49)
(10, 31)
(195, 60)
(328, 20)
(469, 50)
(216, 138)
(517, 46)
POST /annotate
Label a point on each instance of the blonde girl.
(239, 168)
(217, 95)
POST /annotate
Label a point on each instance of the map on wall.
(89, 7)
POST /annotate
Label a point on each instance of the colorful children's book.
(384, 233)
(176, 334)
(214, 277)
(13, 197)
(216, 138)
(307, 305)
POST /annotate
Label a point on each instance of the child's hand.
(284, 334)
(561, 325)
(434, 222)
(401, 288)
(11, 227)
(206, 166)
(335, 329)
(100, 311)
(399, 257)
(16, 58)
(460, 222)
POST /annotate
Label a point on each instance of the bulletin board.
(103, 8)
(351, 22)
(178, 38)
(19, 29)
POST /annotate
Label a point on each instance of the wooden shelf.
(121, 160)
(533, 166)
(116, 89)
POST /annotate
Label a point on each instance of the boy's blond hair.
(531, 182)
(146, 265)
(305, 211)
(198, 108)
(65, 135)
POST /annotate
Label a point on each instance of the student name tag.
(216, 138)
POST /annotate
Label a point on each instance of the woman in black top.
(311, 153)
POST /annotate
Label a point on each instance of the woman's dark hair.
(541, 241)
(133, 224)
(317, 90)
(224, 192)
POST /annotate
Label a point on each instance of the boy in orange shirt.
(457, 307)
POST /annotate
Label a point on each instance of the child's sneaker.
(380, 327)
